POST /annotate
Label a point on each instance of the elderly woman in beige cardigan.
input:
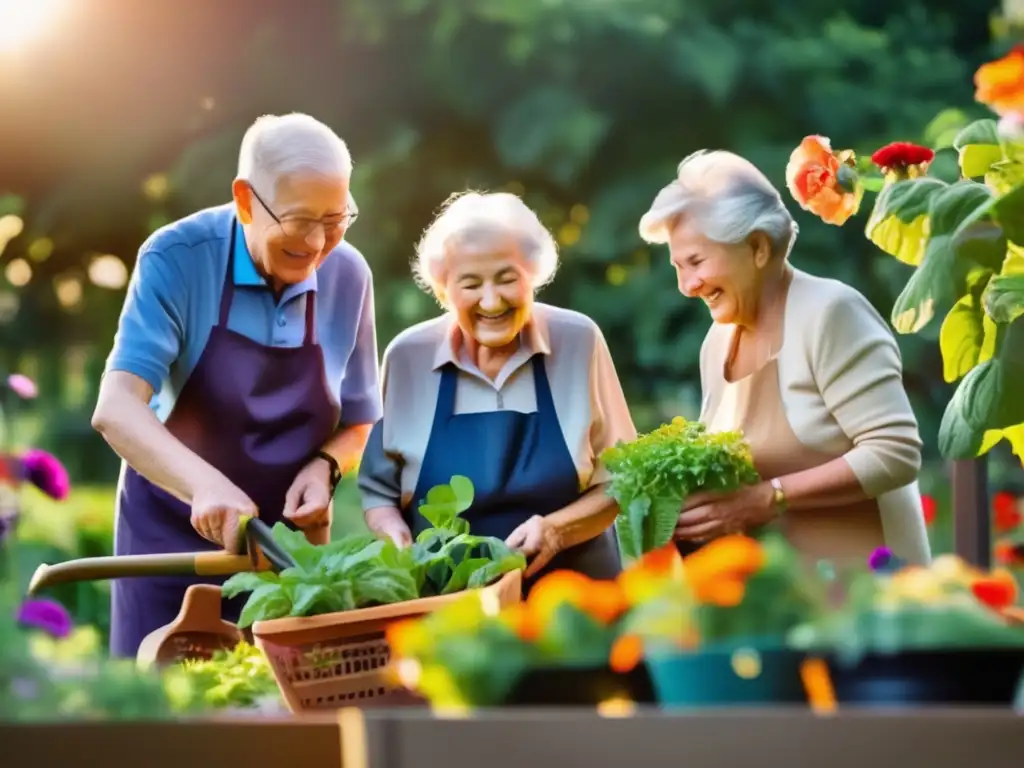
(803, 365)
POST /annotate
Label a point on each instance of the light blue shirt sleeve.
(360, 386)
(151, 330)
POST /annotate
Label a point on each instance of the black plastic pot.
(988, 676)
(710, 678)
(579, 687)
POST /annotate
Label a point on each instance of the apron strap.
(445, 408)
(227, 292)
(309, 339)
(545, 401)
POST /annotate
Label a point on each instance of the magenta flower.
(880, 559)
(48, 615)
(22, 386)
(46, 473)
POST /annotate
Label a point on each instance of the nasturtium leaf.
(941, 279)
(985, 132)
(977, 159)
(962, 338)
(1004, 298)
(899, 221)
(982, 242)
(1009, 211)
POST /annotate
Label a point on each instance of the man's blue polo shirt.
(174, 300)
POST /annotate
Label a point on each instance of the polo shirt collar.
(533, 339)
(247, 276)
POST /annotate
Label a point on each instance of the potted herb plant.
(734, 601)
(654, 474)
(911, 636)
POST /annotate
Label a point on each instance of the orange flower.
(717, 573)
(521, 620)
(1009, 553)
(997, 591)
(403, 636)
(644, 579)
(821, 184)
(626, 653)
(999, 85)
(605, 601)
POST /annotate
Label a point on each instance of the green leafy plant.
(360, 570)
(237, 678)
(964, 239)
(947, 605)
(653, 475)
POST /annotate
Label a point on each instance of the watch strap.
(335, 469)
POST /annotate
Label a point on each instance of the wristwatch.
(779, 498)
(335, 469)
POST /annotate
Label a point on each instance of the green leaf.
(979, 132)
(941, 279)
(987, 401)
(899, 221)
(963, 340)
(943, 129)
(246, 582)
(462, 487)
(981, 242)
(872, 183)
(438, 515)
(1009, 212)
(266, 602)
(977, 159)
(1004, 176)
(1004, 298)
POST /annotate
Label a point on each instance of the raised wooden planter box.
(774, 738)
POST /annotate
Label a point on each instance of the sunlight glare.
(22, 21)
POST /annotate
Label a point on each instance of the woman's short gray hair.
(727, 198)
(278, 145)
(471, 214)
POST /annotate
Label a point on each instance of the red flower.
(998, 590)
(1006, 515)
(901, 155)
(929, 506)
(1009, 553)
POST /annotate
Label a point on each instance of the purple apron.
(258, 414)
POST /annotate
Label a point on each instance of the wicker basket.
(340, 659)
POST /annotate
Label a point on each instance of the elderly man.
(243, 378)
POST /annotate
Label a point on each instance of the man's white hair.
(467, 215)
(275, 146)
(727, 198)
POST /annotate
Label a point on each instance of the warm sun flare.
(22, 21)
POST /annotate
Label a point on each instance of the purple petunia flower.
(880, 559)
(22, 386)
(47, 615)
(46, 473)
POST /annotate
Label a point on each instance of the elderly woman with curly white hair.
(803, 365)
(520, 397)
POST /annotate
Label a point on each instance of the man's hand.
(217, 510)
(308, 501)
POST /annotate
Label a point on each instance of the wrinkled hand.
(308, 501)
(539, 540)
(216, 511)
(709, 515)
(388, 522)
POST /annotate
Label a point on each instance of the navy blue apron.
(520, 466)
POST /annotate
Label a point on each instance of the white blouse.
(585, 388)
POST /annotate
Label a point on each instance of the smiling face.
(726, 277)
(292, 228)
(487, 285)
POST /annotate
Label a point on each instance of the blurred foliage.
(584, 107)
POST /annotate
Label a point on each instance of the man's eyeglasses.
(298, 227)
